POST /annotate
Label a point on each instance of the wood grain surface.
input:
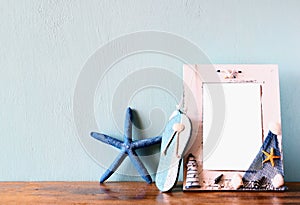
(132, 192)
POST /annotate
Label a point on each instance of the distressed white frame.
(195, 75)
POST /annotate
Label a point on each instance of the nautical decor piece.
(266, 169)
(127, 147)
(236, 139)
(175, 139)
(192, 175)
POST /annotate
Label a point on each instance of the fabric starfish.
(270, 157)
(127, 147)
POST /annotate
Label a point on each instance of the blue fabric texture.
(259, 174)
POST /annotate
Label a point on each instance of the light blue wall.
(44, 45)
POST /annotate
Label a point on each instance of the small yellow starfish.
(270, 157)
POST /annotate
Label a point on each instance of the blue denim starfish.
(127, 147)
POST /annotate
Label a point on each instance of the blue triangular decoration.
(259, 174)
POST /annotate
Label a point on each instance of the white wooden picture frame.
(233, 110)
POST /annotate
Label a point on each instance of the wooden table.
(132, 193)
